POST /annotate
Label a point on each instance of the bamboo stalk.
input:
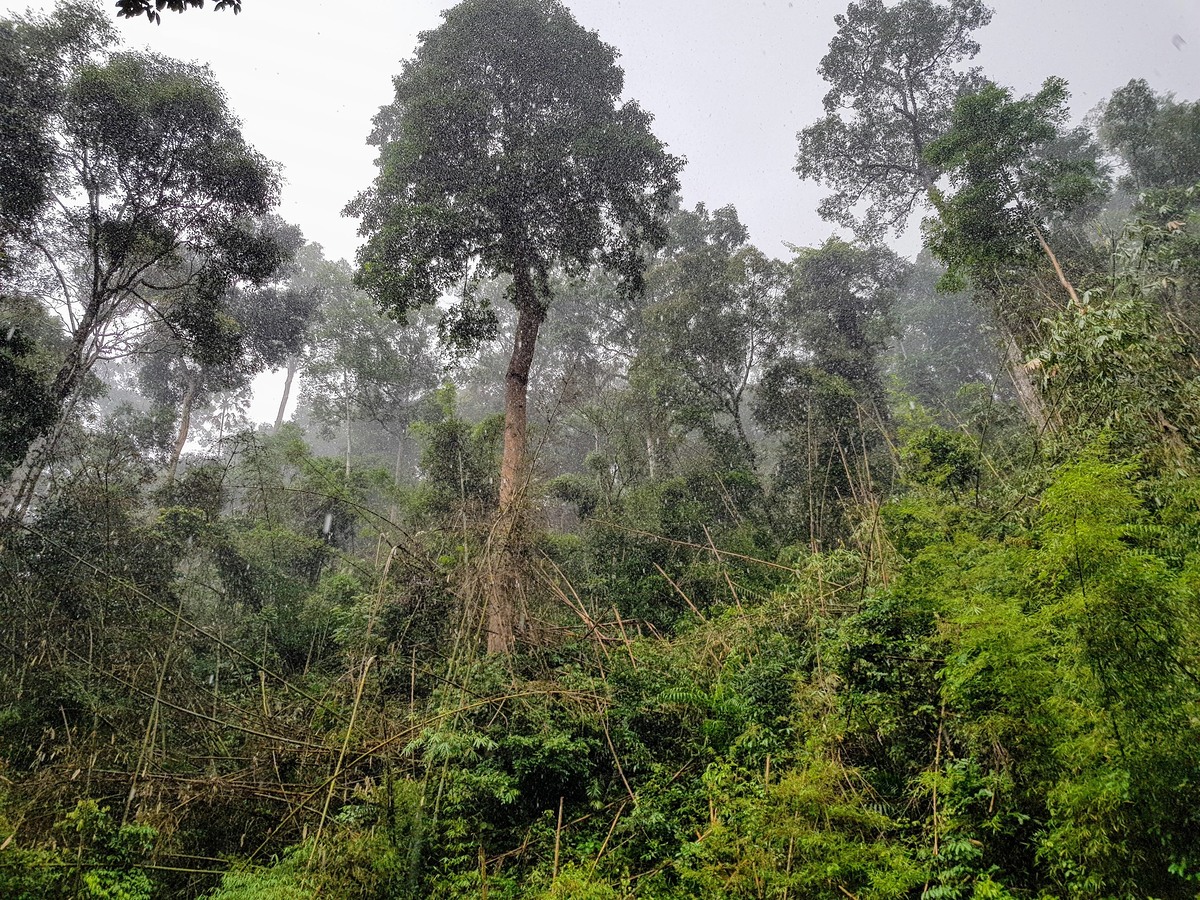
(337, 769)
(557, 838)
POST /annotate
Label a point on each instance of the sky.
(729, 82)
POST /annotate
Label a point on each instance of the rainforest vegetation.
(605, 555)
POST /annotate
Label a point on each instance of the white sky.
(730, 82)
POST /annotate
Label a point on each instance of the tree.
(1016, 173)
(1156, 137)
(360, 364)
(507, 152)
(712, 325)
(824, 393)
(945, 342)
(152, 216)
(893, 82)
(36, 56)
(28, 338)
(261, 327)
(1016, 176)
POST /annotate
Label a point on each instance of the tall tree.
(893, 78)
(361, 365)
(824, 394)
(260, 327)
(944, 342)
(155, 193)
(1016, 174)
(507, 151)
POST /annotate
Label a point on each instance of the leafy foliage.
(893, 84)
(802, 609)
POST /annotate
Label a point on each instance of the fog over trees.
(594, 550)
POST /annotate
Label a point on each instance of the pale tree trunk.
(22, 482)
(346, 394)
(13, 499)
(185, 426)
(513, 472)
(292, 364)
(1028, 396)
(502, 599)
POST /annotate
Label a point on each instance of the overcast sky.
(730, 82)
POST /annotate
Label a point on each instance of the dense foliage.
(830, 585)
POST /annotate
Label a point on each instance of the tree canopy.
(893, 75)
(786, 598)
(158, 203)
(508, 151)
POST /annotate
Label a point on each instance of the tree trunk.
(185, 426)
(22, 482)
(74, 366)
(750, 457)
(505, 583)
(516, 383)
(292, 364)
(346, 391)
(1028, 397)
(12, 502)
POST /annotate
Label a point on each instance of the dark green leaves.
(130, 9)
(507, 148)
(1016, 173)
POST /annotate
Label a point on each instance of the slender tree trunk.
(516, 384)
(12, 500)
(185, 426)
(292, 364)
(74, 367)
(744, 439)
(22, 482)
(346, 392)
(505, 587)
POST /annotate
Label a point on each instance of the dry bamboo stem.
(337, 769)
